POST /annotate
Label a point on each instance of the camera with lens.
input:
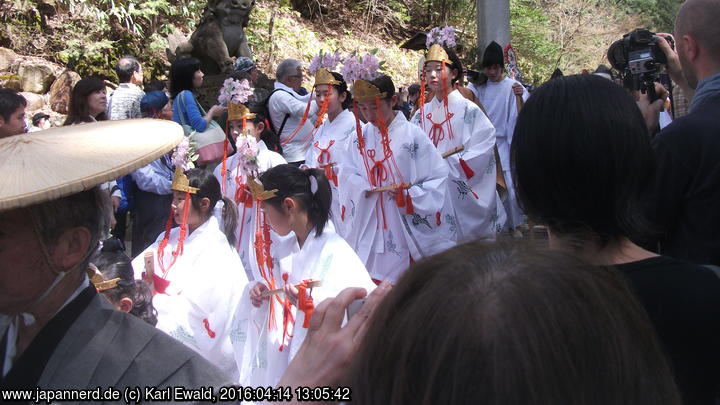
(639, 59)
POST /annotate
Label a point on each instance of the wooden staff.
(149, 264)
(312, 284)
(453, 151)
(390, 187)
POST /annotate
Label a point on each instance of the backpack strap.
(267, 108)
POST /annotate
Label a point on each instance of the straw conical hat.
(54, 163)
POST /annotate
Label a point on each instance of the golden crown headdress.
(181, 183)
(364, 91)
(323, 76)
(437, 54)
(258, 191)
(238, 112)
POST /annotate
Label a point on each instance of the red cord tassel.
(160, 284)
(437, 218)
(469, 173)
(305, 303)
(410, 209)
(399, 198)
(209, 331)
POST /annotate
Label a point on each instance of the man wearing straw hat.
(56, 332)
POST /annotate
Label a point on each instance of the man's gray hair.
(286, 68)
(89, 209)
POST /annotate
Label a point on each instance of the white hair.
(287, 67)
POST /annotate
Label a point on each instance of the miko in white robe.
(472, 188)
(206, 283)
(500, 102)
(245, 231)
(327, 258)
(384, 235)
(329, 147)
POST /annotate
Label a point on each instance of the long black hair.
(182, 73)
(292, 182)
(78, 109)
(209, 187)
(112, 262)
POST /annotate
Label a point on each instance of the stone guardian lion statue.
(220, 36)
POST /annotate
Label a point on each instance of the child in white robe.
(396, 187)
(197, 278)
(275, 326)
(332, 138)
(234, 182)
(466, 139)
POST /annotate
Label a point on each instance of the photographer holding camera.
(686, 200)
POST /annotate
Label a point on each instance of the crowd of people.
(369, 237)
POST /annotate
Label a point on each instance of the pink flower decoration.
(236, 92)
(443, 36)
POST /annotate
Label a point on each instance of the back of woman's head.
(209, 187)
(182, 73)
(309, 187)
(113, 263)
(581, 159)
(508, 325)
(78, 108)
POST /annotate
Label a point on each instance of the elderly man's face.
(295, 79)
(24, 272)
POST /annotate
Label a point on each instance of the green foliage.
(90, 35)
(530, 30)
(657, 15)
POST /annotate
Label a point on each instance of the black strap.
(267, 108)
(282, 126)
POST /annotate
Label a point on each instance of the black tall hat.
(493, 55)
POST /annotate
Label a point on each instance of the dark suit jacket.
(104, 347)
(686, 198)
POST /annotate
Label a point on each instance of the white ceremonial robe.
(329, 146)
(206, 283)
(386, 250)
(327, 258)
(473, 199)
(500, 103)
(245, 231)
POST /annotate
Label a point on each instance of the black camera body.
(639, 59)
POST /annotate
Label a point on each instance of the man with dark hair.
(499, 97)
(124, 102)
(56, 331)
(39, 122)
(687, 187)
(12, 113)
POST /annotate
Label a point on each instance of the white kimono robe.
(499, 101)
(206, 283)
(327, 258)
(245, 231)
(386, 250)
(473, 198)
(329, 146)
